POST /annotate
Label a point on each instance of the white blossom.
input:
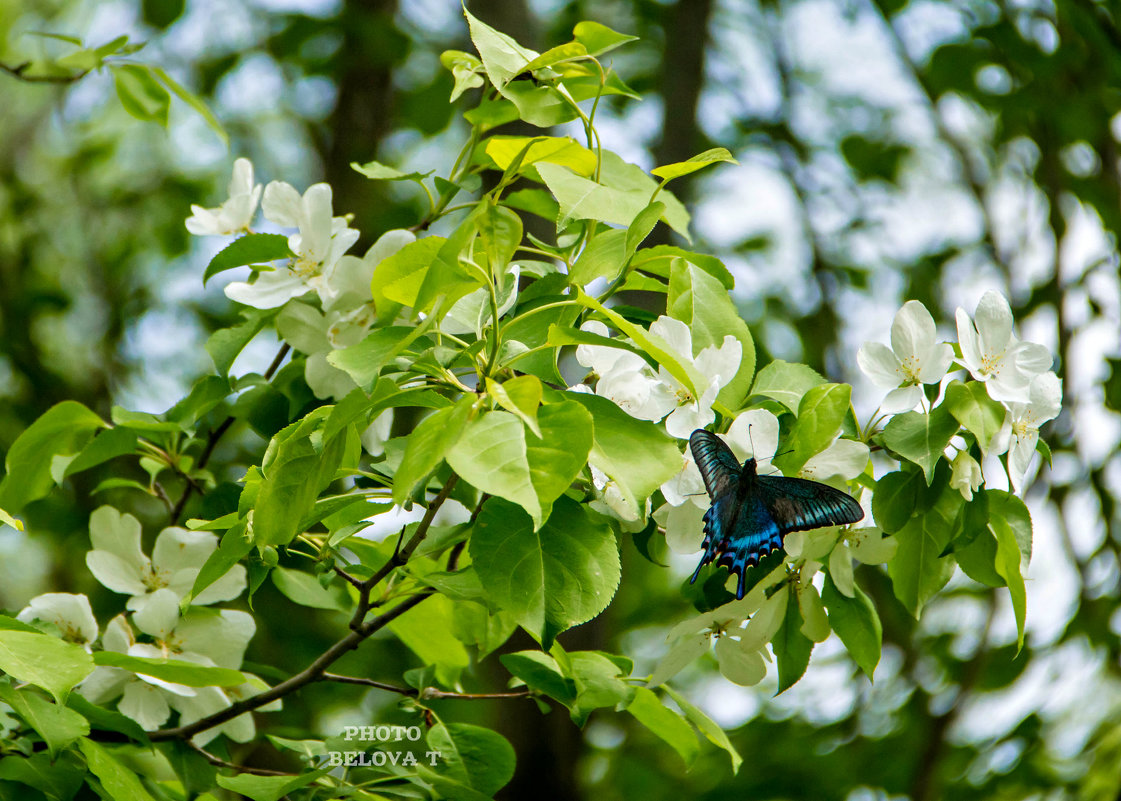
(717, 366)
(966, 476)
(118, 562)
(993, 354)
(914, 358)
(318, 246)
(236, 213)
(1020, 431)
(70, 613)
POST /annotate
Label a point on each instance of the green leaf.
(971, 406)
(584, 199)
(376, 171)
(465, 68)
(560, 452)
(44, 661)
(428, 445)
(701, 301)
(659, 259)
(821, 413)
(599, 39)
(896, 498)
(119, 781)
(698, 162)
(107, 719)
(786, 383)
(500, 234)
(491, 456)
(58, 779)
(503, 58)
(708, 727)
(364, 362)
(248, 249)
(225, 344)
(921, 438)
(598, 684)
(173, 670)
(561, 336)
(1007, 564)
(107, 444)
(205, 394)
(540, 672)
(398, 278)
(550, 579)
(233, 547)
(664, 722)
(792, 648)
(193, 101)
(479, 758)
(636, 454)
(7, 520)
(64, 429)
(269, 788)
(428, 631)
(563, 150)
(554, 55)
(140, 93)
(304, 589)
(298, 466)
(652, 344)
(521, 396)
(56, 724)
(918, 570)
(856, 623)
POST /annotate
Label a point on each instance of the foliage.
(461, 329)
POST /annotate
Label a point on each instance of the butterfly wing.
(738, 531)
(796, 504)
(718, 465)
(738, 535)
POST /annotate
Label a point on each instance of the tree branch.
(412, 692)
(216, 435)
(221, 763)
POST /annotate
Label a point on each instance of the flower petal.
(221, 637)
(740, 665)
(720, 363)
(115, 573)
(676, 334)
(912, 331)
(70, 612)
(281, 204)
(118, 534)
(271, 289)
(970, 344)
(878, 362)
(754, 434)
(994, 323)
(160, 614)
(180, 548)
(145, 704)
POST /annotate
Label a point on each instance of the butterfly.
(751, 514)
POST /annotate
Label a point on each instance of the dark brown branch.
(313, 672)
(429, 692)
(215, 436)
(221, 763)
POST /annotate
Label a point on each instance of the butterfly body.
(751, 514)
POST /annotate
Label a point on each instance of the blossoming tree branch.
(492, 380)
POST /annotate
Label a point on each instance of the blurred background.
(888, 150)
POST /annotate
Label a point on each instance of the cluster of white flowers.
(630, 382)
(1015, 373)
(320, 264)
(156, 587)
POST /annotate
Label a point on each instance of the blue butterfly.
(752, 514)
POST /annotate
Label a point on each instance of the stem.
(313, 672)
(216, 435)
(221, 763)
(412, 692)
